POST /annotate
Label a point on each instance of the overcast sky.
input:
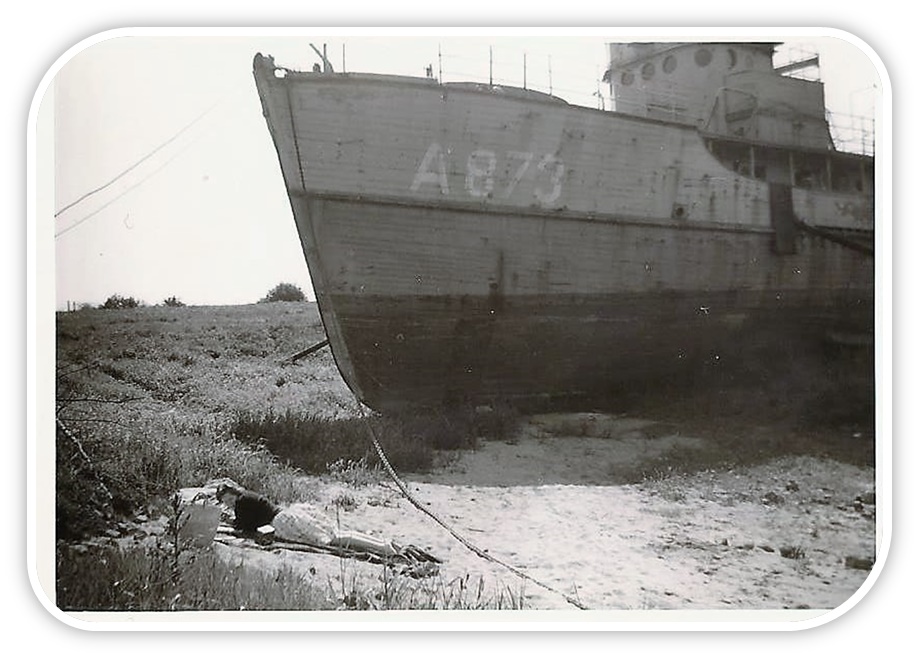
(205, 216)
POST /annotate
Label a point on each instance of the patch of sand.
(772, 536)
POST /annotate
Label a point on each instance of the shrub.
(284, 292)
(173, 301)
(317, 445)
(117, 301)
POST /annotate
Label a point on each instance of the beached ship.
(470, 242)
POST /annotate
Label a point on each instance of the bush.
(284, 292)
(312, 444)
(173, 301)
(117, 301)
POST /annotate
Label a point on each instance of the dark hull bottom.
(433, 351)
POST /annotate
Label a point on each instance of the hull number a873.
(490, 175)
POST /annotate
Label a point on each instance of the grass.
(737, 448)
(105, 472)
(312, 443)
(168, 575)
(153, 399)
(145, 579)
(148, 396)
(799, 401)
(460, 593)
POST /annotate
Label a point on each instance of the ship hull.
(433, 306)
(469, 247)
(546, 352)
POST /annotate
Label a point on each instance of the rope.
(465, 542)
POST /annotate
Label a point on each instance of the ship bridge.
(728, 89)
(762, 121)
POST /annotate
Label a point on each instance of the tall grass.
(410, 440)
(143, 578)
(147, 579)
(104, 472)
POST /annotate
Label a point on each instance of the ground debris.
(772, 498)
(853, 562)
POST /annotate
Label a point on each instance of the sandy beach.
(793, 533)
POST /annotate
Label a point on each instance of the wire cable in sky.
(128, 189)
(135, 165)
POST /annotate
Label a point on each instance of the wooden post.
(302, 353)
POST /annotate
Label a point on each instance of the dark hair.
(253, 511)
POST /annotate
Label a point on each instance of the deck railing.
(852, 134)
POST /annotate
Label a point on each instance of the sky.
(166, 182)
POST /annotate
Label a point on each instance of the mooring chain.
(465, 542)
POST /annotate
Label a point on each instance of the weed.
(397, 592)
(793, 552)
(354, 473)
(345, 501)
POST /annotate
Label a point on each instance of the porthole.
(669, 64)
(647, 71)
(703, 57)
(627, 78)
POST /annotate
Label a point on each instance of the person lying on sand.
(302, 523)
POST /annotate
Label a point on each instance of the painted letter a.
(433, 169)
